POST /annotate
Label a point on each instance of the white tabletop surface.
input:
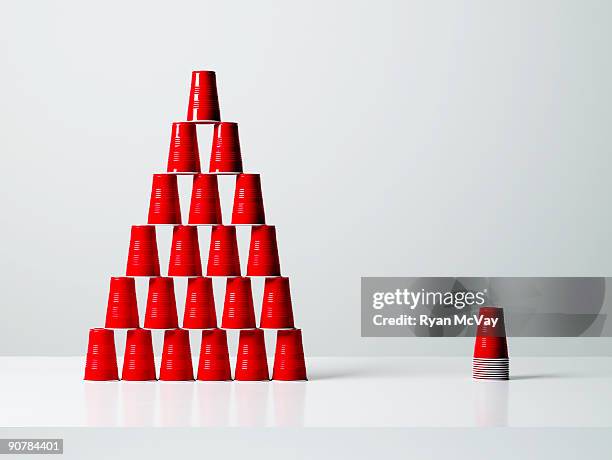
(341, 392)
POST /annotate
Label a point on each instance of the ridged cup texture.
(200, 304)
(101, 360)
(289, 362)
(138, 359)
(164, 206)
(203, 97)
(223, 258)
(263, 252)
(185, 253)
(276, 309)
(122, 307)
(205, 204)
(161, 304)
(248, 200)
(491, 340)
(184, 154)
(225, 155)
(176, 357)
(238, 311)
(214, 364)
(251, 363)
(143, 259)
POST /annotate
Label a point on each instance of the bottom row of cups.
(176, 365)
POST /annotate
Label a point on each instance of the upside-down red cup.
(138, 359)
(164, 207)
(225, 156)
(205, 204)
(238, 312)
(176, 357)
(251, 364)
(200, 304)
(491, 340)
(101, 362)
(248, 200)
(203, 97)
(185, 253)
(263, 252)
(491, 347)
(289, 362)
(214, 364)
(122, 308)
(223, 258)
(276, 309)
(486, 327)
(161, 304)
(142, 256)
(184, 155)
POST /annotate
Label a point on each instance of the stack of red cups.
(223, 260)
(491, 360)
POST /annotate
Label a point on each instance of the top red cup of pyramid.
(203, 97)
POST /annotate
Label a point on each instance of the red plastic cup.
(214, 362)
(225, 156)
(161, 305)
(185, 253)
(142, 256)
(122, 309)
(223, 258)
(176, 357)
(491, 340)
(276, 309)
(138, 360)
(184, 155)
(252, 364)
(101, 362)
(238, 312)
(263, 252)
(486, 329)
(205, 204)
(248, 200)
(289, 362)
(164, 207)
(200, 305)
(203, 98)
(491, 347)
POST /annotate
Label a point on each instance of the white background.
(394, 138)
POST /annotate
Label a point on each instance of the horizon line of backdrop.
(394, 138)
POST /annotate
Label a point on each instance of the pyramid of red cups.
(223, 261)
